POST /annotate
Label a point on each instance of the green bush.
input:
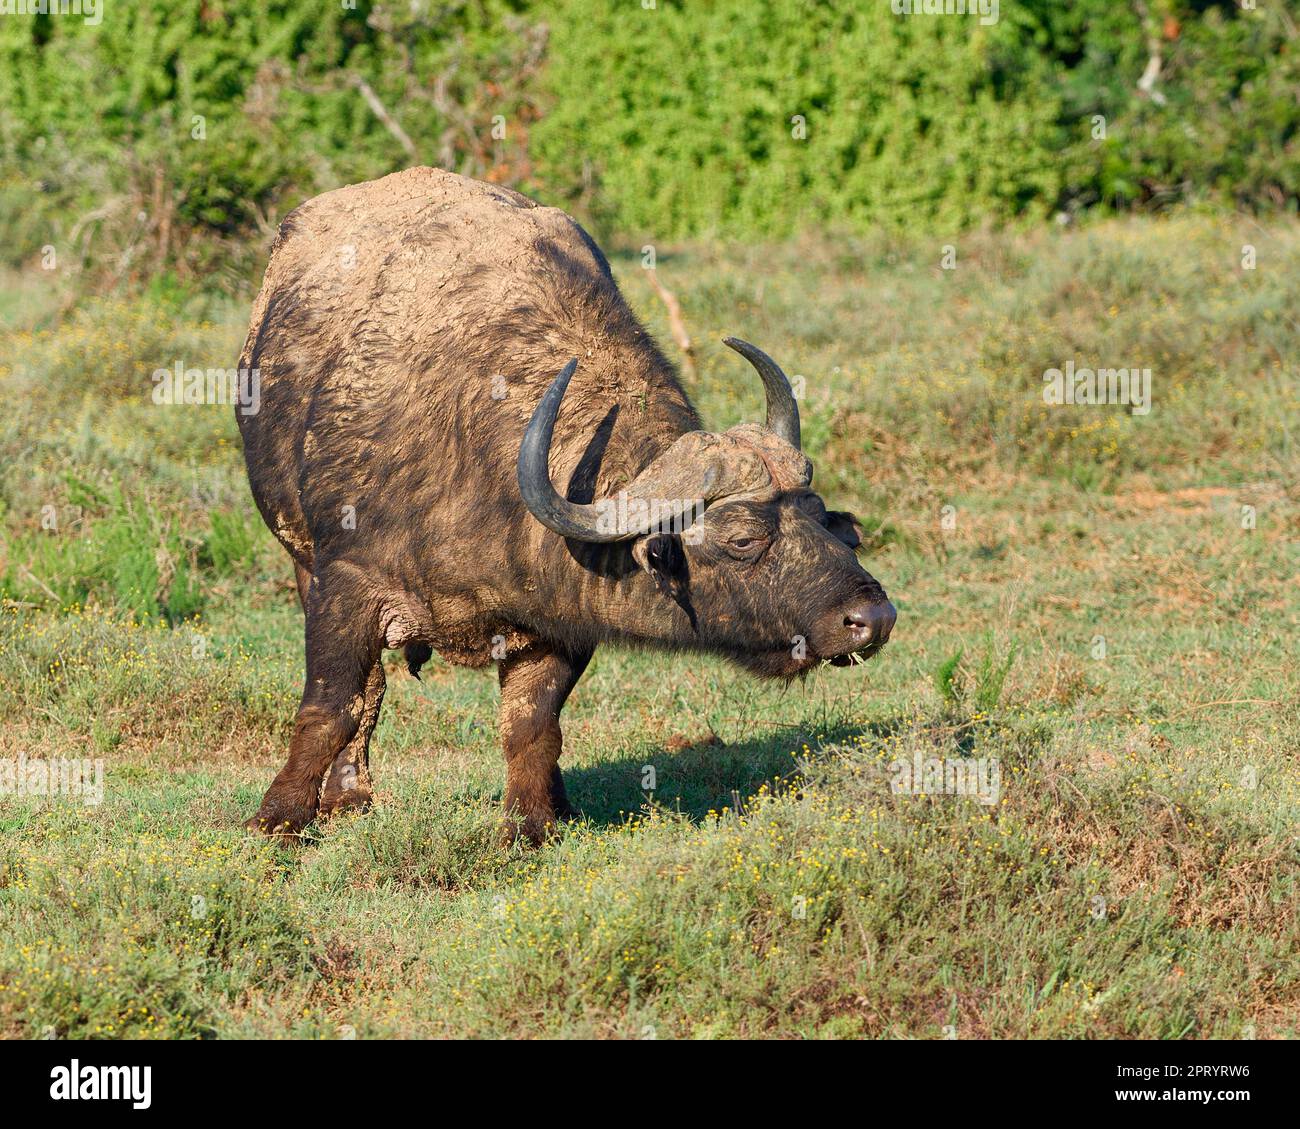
(762, 119)
(121, 138)
(121, 141)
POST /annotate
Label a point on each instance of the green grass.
(1091, 613)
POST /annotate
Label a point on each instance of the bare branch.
(676, 323)
(385, 118)
(1147, 83)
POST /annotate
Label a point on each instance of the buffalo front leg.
(343, 648)
(535, 684)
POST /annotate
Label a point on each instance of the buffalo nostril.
(871, 622)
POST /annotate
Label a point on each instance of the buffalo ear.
(660, 554)
(843, 526)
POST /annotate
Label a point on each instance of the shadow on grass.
(694, 779)
(708, 776)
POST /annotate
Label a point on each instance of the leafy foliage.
(119, 141)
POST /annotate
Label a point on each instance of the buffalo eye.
(746, 546)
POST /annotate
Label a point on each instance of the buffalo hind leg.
(343, 647)
(348, 785)
(535, 684)
(302, 579)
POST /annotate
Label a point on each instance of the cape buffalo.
(408, 337)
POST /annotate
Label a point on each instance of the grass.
(1102, 605)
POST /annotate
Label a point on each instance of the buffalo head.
(729, 528)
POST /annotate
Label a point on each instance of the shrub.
(122, 141)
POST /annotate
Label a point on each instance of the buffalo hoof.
(346, 789)
(281, 819)
(283, 830)
(355, 800)
(527, 830)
